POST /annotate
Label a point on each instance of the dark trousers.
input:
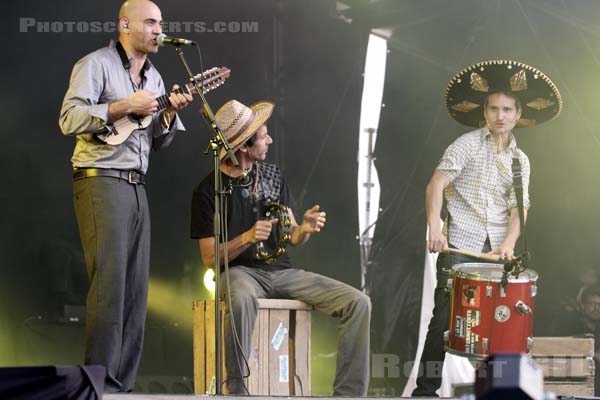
(114, 226)
(334, 298)
(432, 359)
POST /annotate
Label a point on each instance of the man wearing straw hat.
(475, 178)
(258, 264)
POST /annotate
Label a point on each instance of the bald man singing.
(109, 195)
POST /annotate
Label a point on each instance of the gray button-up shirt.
(481, 194)
(97, 80)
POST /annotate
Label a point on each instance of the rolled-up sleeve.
(81, 112)
(455, 158)
(165, 136)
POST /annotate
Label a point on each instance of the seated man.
(259, 267)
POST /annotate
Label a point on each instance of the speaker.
(52, 383)
(509, 376)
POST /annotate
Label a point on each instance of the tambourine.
(281, 212)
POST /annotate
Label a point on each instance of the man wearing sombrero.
(475, 178)
(259, 267)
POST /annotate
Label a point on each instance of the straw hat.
(466, 93)
(239, 122)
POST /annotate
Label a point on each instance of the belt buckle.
(129, 175)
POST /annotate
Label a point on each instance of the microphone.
(521, 260)
(163, 39)
(510, 266)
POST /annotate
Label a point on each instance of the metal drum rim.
(532, 276)
(470, 356)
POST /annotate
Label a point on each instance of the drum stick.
(483, 256)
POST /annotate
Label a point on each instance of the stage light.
(368, 180)
(166, 300)
(209, 281)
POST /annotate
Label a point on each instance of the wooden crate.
(204, 345)
(568, 364)
(274, 370)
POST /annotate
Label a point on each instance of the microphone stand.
(515, 267)
(216, 143)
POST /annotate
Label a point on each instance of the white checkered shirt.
(480, 194)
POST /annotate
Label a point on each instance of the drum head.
(490, 273)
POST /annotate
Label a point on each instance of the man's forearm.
(433, 204)
(299, 236)
(117, 110)
(514, 228)
(235, 247)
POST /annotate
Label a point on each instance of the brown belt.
(129, 176)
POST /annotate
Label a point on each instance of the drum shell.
(486, 319)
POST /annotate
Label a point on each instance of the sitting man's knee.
(362, 302)
(241, 300)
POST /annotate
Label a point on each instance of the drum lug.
(502, 291)
(529, 343)
(446, 339)
(522, 308)
(488, 290)
(484, 345)
(533, 290)
(449, 284)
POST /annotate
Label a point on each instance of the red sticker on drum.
(470, 295)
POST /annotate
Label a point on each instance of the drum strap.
(518, 186)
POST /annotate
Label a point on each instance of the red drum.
(487, 316)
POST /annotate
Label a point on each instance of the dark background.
(309, 61)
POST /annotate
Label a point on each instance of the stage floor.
(141, 396)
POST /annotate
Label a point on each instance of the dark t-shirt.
(243, 209)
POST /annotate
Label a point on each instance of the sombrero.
(466, 93)
(239, 122)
